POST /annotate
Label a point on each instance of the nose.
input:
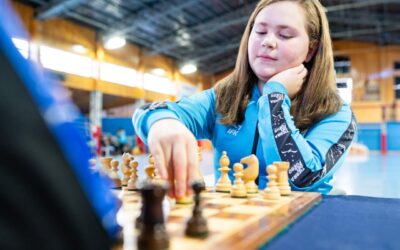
(269, 41)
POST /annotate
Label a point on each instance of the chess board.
(234, 223)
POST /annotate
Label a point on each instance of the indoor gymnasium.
(200, 124)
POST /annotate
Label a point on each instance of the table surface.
(344, 222)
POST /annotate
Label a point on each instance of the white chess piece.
(283, 179)
(238, 188)
(224, 183)
(271, 192)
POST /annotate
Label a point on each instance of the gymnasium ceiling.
(208, 32)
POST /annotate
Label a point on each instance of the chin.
(265, 75)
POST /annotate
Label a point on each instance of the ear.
(311, 51)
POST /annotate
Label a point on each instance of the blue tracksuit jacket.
(314, 155)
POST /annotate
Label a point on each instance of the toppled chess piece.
(197, 224)
(184, 200)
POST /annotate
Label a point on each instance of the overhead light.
(79, 48)
(158, 71)
(188, 69)
(114, 42)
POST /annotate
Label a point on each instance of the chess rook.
(153, 234)
(283, 178)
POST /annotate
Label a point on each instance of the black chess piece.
(153, 234)
(197, 224)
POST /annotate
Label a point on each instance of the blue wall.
(111, 125)
(369, 134)
(393, 140)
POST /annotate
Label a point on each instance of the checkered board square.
(234, 223)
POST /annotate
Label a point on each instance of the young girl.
(280, 103)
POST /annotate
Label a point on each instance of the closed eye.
(285, 36)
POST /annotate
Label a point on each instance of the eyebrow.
(279, 26)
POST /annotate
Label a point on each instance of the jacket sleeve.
(314, 156)
(197, 113)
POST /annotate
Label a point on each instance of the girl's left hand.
(291, 78)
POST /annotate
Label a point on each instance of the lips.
(266, 58)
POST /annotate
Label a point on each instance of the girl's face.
(278, 40)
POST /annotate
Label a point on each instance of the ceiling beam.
(358, 4)
(364, 18)
(211, 51)
(361, 32)
(149, 14)
(237, 17)
(220, 65)
(57, 8)
(101, 26)
(86, 20)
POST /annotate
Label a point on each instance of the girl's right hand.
(174, 149)
(291, 78)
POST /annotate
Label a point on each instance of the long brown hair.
(317, 97)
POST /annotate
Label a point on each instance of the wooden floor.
(375, 175)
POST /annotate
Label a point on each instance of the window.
(397, 87)
(397, 65)
(185, 90)
(345, 87)
(342, 65)
(67, 62)
(118, 74)
(158, 84)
